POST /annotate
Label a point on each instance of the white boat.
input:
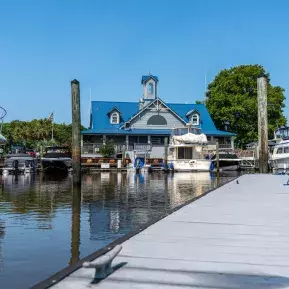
(188, 150)
(279, 158)
(19, 163)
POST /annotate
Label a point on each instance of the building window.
(114, 118)
(157, 120)
(157, 140)
(195, 119)
(150, 88)
(286, 150)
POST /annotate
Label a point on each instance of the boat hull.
(51, 165)
(229, 165)
(191, 165)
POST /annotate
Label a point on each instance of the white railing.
(93, 148)
(145, 147)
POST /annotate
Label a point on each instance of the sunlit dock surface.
(235, 237)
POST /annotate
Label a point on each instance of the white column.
(127, 141)
(81, 142)
(104, 139)
(232, 142)
(149, 139)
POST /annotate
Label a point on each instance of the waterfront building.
(144, 124)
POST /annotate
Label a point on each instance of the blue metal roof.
(101, 122)
(145, 78)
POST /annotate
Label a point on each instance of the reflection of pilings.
(75, 226)
(166, 192)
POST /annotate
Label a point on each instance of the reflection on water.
(45, 224)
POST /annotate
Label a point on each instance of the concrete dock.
(237, 236)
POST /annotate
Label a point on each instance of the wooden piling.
(217, 157)
(166, 155)
(76, 138)
(262, 124)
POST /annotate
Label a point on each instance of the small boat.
(227, 161)
(279, 156)
(57, 158)
(188, 150)
(19, 163)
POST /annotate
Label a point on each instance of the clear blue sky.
(110, 44)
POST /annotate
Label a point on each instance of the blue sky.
(109, 44)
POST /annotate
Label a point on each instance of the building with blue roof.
(145, 124)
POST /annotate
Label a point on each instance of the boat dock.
(236, 236)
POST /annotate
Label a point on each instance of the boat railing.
(222, 146)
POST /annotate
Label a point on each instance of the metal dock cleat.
(102, 265)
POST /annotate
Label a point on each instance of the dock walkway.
(235, 237)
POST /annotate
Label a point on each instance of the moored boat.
(188, 150)
(279, 158)
(227, 161)
(19, 163)
(57, 158)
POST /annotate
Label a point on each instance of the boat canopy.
(190, 138)
(282, 133)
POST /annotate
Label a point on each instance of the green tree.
(232, 102)
(107, 149)
(36, 133)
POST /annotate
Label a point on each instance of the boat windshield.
(185, 130)
(282, 133)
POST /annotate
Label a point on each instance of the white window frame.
(112, 116)
(197, 121)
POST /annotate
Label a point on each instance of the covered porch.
(153, 145)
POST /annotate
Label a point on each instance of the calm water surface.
(45, 225)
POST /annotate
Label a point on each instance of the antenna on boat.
(3, 113)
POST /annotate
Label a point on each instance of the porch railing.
(145, 147)
(93, 148)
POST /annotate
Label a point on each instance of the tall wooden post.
(166, 155)
(76, 138)
(262, 124)
(217, 157)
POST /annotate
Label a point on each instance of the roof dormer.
(194, 117)
(114, 116)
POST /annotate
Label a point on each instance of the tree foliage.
(37, 132)
(232, 102)
(107, 149)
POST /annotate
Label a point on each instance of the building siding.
(141, 121)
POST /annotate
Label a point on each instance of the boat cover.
(189, 138)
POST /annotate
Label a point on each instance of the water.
(45, 225)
